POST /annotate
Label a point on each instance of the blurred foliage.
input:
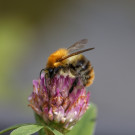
(13, 45)
(33, 11)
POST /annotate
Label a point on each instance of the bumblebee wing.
(75, 53)
(77, 45)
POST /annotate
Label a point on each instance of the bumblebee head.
(48, 72)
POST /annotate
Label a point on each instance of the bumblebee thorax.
(54, 57)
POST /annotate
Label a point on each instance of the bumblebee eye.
(50, 69)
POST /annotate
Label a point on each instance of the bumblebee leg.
(73, 85)
(46, 82)
(41, 72)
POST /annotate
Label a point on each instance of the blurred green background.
(31, 30)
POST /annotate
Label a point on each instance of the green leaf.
(26, 130)
(56, 132)
(86, 126)
(11, 128)
(47, 129)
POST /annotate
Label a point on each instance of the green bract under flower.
(57, 106)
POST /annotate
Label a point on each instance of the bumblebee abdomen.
(82, 68)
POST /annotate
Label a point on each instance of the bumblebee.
(70, 61)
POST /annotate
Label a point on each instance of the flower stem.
(45, 131)
(48, 132)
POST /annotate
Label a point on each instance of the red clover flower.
(58, 107)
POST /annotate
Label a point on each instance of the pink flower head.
(56, 104)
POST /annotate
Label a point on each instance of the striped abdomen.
(82, 68)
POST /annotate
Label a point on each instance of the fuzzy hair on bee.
(70, 61)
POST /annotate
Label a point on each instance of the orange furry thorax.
(54, 57)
